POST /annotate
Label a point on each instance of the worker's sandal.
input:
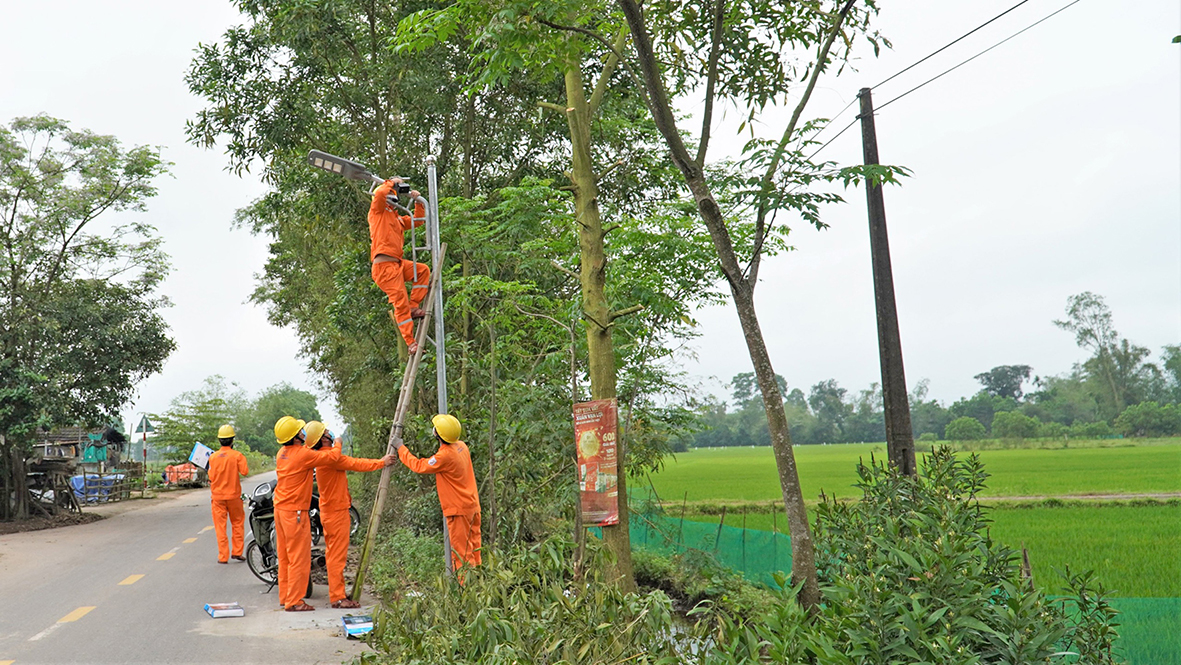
(300, 607)
(346, 604)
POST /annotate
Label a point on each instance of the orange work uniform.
(226, 467)
(456, 483)
(386, 238)
(293, 497)
(334, 515)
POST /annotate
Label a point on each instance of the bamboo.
(404, 395)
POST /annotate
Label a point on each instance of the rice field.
(749, 474)
(1133, 548)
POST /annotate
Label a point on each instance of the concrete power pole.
(899, 436)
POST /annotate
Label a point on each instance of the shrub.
(525, 607)
(910, 574)
(1051, 430)
(1096, 430)
(1149, 419)
(964, 428)
(927, 437)
(1013, 425)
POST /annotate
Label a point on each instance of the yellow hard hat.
(286, 428)
(225, 432)
(447, 427)
(313, 431)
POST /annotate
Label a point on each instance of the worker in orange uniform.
(456, 483)
(334, 506)
(293, 496)
(390, 270)
(226, 467)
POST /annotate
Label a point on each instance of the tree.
(1004, 380)
(964, 428)
(1117, 367)
(195, 416)
(1014, 425)
(827, 400)
(256, 421)
(78, 300)
(1149, 419)
(751, 61)
(1171, 366)
(744, 386)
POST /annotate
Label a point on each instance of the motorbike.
(262, 545)
(318, 528)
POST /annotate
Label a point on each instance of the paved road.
(131, 589)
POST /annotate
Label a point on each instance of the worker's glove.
(398, 445)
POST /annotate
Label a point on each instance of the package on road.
(219, 610)
(357, 625)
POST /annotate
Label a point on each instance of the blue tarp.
(94, 489)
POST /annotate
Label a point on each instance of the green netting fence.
(1150, 628)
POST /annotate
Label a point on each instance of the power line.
(950, 44)
(976, 56)
(934, 53)
(916, 64)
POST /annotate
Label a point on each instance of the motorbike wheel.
(310, 587)
(354, 521)
(267, 571)
(317, 531)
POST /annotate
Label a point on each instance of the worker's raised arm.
(346, 463)
(434, 464)
(313, 458)
(378, 204)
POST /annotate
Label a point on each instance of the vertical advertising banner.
(598, 482)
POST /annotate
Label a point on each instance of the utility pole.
(899, 436)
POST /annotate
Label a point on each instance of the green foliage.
(964, 428)
(1014, 425)
(927, 437)
(196, 415)
(525, 606)
(1149, 419)
(693, 577)
(255, 421)
(1005, 380)
(78, 298)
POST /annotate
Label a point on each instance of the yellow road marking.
(76, 614)
(208, 528)
(131, 579)
(7, 662)
(190, 540)
(166, 556)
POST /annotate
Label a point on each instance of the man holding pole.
(455, 482)
(334, 507)
(390, 271)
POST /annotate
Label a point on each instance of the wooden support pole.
(899, 437)
(404, 395)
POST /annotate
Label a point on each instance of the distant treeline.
(1117, 391)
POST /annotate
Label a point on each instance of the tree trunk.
(20, 481)
(593, 277)
(803, 554)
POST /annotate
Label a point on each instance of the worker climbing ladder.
(434, 308)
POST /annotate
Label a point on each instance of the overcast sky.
(1047, 167)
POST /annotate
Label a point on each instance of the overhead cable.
(879, 108)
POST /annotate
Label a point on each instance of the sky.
(1046, 167)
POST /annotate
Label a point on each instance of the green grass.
(1133, 548)
(749, 474)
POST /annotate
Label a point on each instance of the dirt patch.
(39, 523)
